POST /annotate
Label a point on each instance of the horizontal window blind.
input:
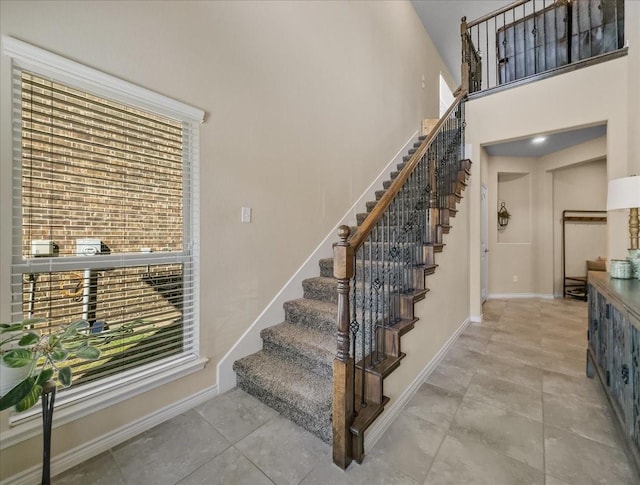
(105, 221)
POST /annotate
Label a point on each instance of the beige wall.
(514, 191)
(511, 252)
(578, 187)
(632, 34)
(573, 178)
(555, 104)
(305, 101)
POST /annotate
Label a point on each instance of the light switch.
(245, 215)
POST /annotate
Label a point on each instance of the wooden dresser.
(614, 350)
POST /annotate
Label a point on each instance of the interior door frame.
(484, 250)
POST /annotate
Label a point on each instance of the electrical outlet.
(515, 278)
(245, 215)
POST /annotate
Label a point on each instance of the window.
(446, 96)
(105, 207)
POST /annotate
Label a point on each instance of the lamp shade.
(623, 193)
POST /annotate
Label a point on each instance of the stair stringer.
(250, 341)
(441, 319)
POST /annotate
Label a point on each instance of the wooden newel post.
(465, 55)
(343, 364)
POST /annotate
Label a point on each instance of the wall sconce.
(624, 193)
(503, 216)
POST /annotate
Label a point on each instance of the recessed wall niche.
(514, 189)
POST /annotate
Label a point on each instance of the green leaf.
(80, 325)
(44, 376)
(53, 340)
(28, 339)
(11, 327)
(17, 394)
(64, 376)
(17, 358)
(59, 355)
(33, 321)
(88, 352)
(30, 399)
(73, 329)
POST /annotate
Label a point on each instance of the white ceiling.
(553, 142)
(441, 19)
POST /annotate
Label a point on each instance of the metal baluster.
(371, 316)
(383, 282)
(544, 32)
(363, 336)
(397, 284)
(354, 326)
(589, 27)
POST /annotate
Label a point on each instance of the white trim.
(391, 412)
(30, 425)
(273, 314)
(84, 77)
(477, 318)
(510, 296)
(86, 451)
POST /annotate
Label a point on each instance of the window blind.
(105, 224)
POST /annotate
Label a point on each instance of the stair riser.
(322, 368)
(320, 292)
(311, 319)
(326, 268)
(316, 423)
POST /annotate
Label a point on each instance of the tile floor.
(509, 404)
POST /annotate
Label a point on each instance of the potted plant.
(44, 356)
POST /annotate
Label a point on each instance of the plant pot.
(11, 376)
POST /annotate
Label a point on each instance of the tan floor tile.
(509, 433)
(581, 461)
(435, 405)
(465, 461)
(506, 395)
(409, 445)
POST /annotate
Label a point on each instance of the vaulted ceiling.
(441, 19)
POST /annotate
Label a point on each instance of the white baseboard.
(509, 296)
(392, 411)
(476, 318)
(69, 459)
(273, 314)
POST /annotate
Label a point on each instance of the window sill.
(83, 403)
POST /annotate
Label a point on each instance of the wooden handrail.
(367, 226)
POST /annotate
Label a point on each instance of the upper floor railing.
(531, 37)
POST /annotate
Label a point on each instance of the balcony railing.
(531, 37)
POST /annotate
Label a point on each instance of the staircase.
(293, 373)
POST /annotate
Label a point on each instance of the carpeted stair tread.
(300, 395)
(306, 347)
(321, 315)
